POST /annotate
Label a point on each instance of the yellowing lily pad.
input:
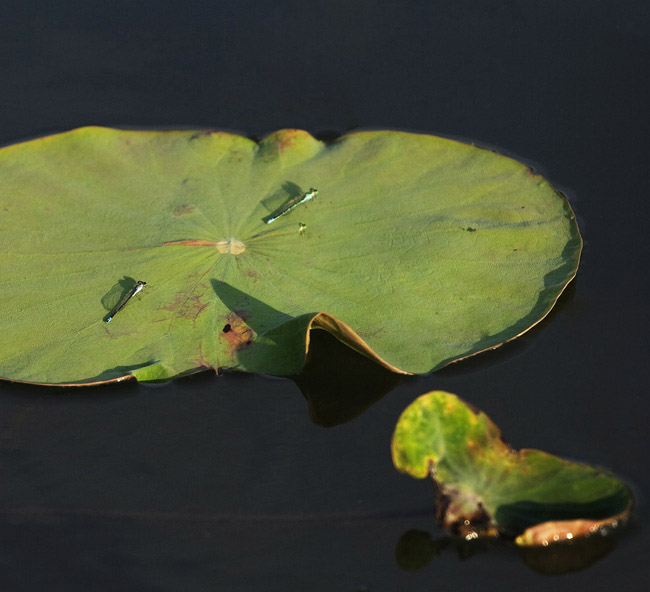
(414, 250)
(487, 489)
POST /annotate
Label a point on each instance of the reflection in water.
(339, 383)
(567, 557)
(415, 549)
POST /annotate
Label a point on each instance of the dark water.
(230, 483)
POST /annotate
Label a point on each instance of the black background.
(226, 483)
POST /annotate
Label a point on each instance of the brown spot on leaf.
(239, 335)
(186, 306)
(184, 209)
(202, 134)
(191, 243)
(109, 334)
(201, 360)
(475, 450)
(288, 138)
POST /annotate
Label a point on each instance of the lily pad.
(485, 488)
(415, 251)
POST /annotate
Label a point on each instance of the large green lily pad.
(487, 489)
(416, 251)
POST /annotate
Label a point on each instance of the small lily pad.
(413, 250)
(485, 488)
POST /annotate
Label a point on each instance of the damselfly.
(122, 303)
(296, 201)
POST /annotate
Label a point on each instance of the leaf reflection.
(415, 549)
(339, 383)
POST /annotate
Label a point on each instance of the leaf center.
(231, 245)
